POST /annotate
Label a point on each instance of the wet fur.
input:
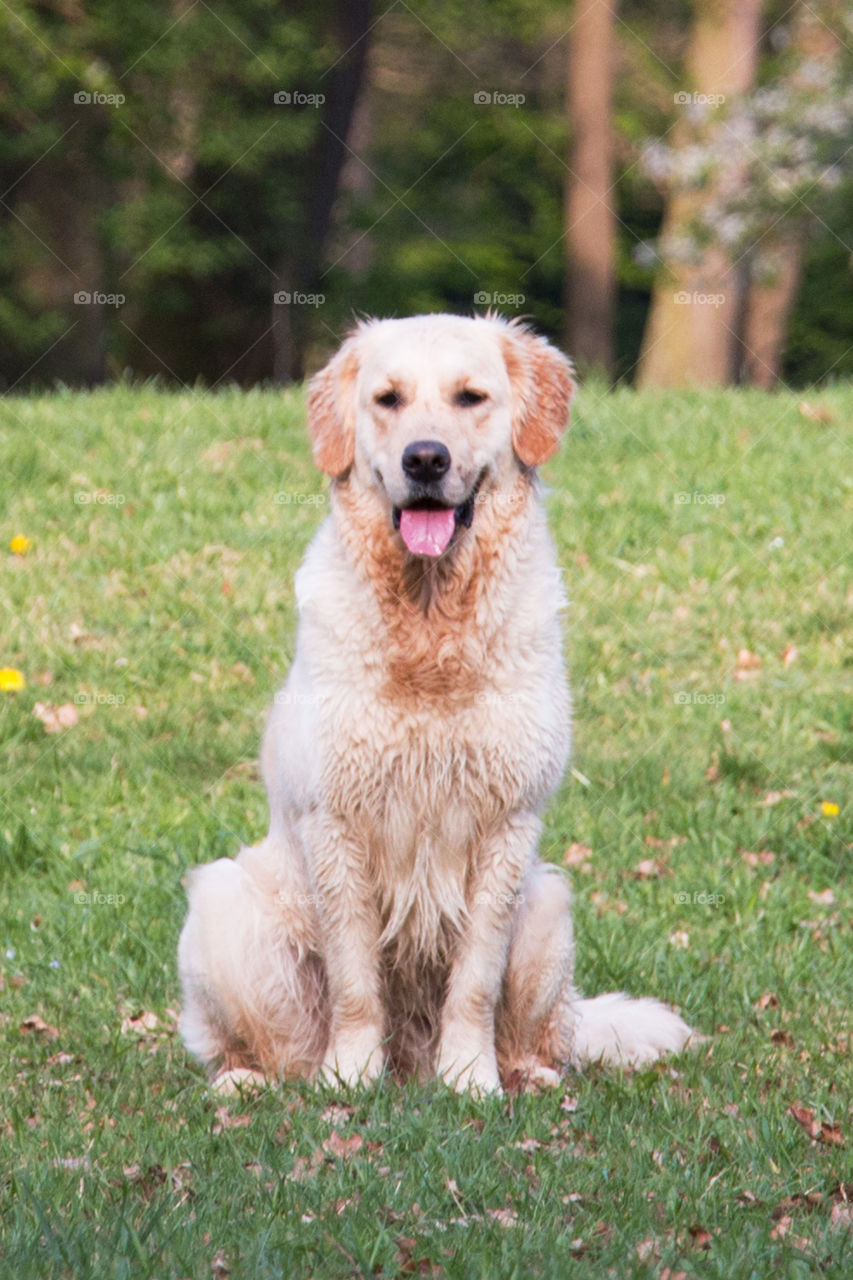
(397, 913)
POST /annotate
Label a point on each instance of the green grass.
(162, 609)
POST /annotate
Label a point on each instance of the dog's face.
(426, 412)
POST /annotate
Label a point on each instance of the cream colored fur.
(397, 913)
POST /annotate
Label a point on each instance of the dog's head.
(428, 411)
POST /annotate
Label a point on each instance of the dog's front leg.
(466, 1052)
(350, 929)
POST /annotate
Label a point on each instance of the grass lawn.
(706, 541)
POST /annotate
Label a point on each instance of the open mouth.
(427, 527)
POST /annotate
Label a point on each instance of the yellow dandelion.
(829, 809)
(20, 545)
(11, 680)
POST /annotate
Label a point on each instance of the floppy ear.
(542, 388)
(331, 411)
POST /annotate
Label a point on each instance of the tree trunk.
(777, 268)
(691, 331)
(303, 267)
(770, 301)
(590, 220)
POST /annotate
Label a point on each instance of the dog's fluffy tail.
(619, 1031)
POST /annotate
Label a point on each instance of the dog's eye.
(467, 398)
(389, 399)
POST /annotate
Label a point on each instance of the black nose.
(426, 460)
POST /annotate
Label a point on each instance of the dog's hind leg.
(254, 989)
(535, 1016)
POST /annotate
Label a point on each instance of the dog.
(397, 916)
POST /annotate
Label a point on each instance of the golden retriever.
(397, 913)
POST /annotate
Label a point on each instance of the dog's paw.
(468, 1070)
(239, 1080)
(355, 1059)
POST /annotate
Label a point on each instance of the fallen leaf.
(782, 1227)
(806, 1118)
(680, 939)
(826, 898)
(841, 1216)
(55, 719)
(747, 664)
(140, 1023)
(649, 869)
(768, 1001)
(773, 797)
(36, 1025)
(655, 842)
(578, 855)
(506, 1217)
(226, 1119)
(815, 412)
(701, 1237)
(763, 858)
(219, 1266)
(337, 1146)
(789, 654)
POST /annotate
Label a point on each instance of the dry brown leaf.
(782, 1227)
(655, 842)
(826, 898)
(841, 1216)
(806, 1118)
(680, 938)
(700, 1236)
(34, 1024)
(773, 797)
(506, 1217)
(578, 855)
(649, 869)
(789, 654)
(815, 412)
(768, 1001)
(763, 858)
(338, 1113)
(747, 660)
(140, 1024)
(226, 1119)
(55, 719)
(339, 1147)
(219, 1266)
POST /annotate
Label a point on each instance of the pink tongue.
(425, 532)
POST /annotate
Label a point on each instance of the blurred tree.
(590, 196)
(690, 332)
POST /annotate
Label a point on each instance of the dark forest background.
(214, 191)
